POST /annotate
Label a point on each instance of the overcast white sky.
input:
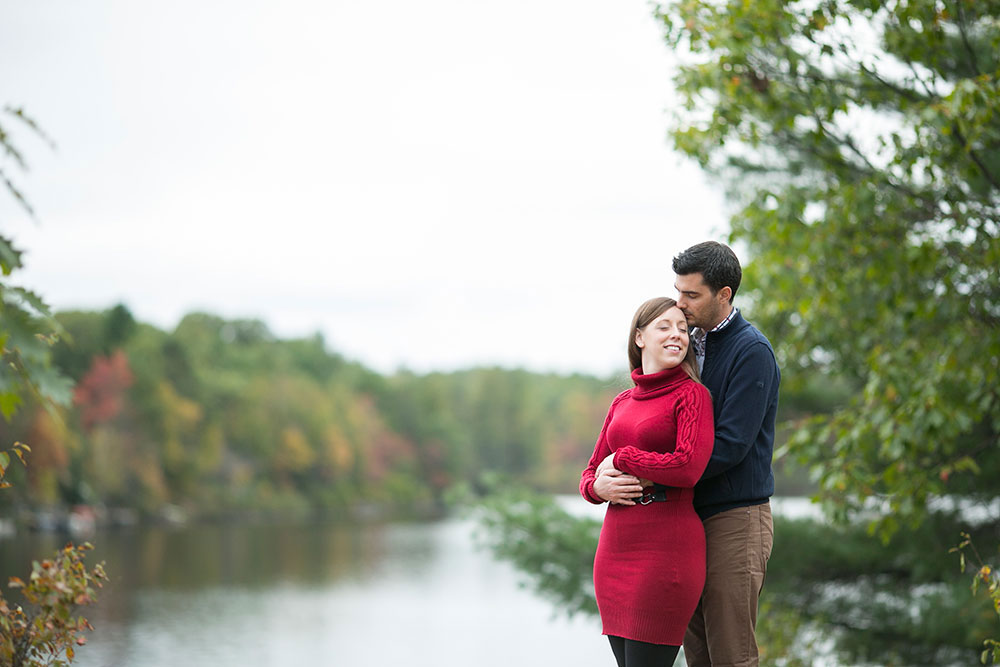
(432, 184)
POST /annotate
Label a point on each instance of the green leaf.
(10, 258)
(9, 402)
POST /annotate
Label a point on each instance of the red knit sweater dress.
(650, 565)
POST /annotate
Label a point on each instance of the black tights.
(632, 653)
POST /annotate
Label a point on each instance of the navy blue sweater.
(742, 375)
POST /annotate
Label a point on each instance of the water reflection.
(278, 594)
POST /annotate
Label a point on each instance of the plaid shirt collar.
(698, 335)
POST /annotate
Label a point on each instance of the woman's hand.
(607, 464)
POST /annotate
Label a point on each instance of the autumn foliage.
(100, 394)
(45, 629)
(220, 416)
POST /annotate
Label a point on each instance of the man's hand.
(615, 486)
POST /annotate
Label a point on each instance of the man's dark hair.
(717, 263)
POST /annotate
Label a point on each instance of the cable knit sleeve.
(695, 435)
(601, 451)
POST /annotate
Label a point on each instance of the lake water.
(415, 594)
(267, 595)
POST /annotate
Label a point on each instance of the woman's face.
(664, 341)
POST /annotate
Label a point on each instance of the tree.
(27, 328)
(831, 589)
(101, 393)
(859, 142)
(553, 548)
(44, 629)
(14, 153)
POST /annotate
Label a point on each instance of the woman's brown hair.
(647, 313)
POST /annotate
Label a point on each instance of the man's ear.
(726, 293)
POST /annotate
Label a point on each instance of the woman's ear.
(638, 339)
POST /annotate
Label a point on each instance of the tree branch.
(902, 92)
(975, 157)
(973, 63)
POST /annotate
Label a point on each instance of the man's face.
(701, 308)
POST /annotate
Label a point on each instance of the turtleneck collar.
(657, 384)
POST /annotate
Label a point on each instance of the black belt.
(657, 495)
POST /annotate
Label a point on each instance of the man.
(738, 366)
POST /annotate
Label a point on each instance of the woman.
(650, 565)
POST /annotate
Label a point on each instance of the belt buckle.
(646, 499)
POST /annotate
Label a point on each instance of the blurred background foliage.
(858, 142)
(219, 416)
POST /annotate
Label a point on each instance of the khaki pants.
(738, 545)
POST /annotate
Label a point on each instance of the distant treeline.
(220, 416)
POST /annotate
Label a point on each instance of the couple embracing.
(684, 461)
